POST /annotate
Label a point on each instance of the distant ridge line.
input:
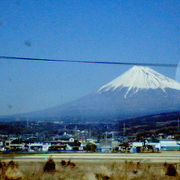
(86, 61)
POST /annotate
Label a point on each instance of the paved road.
(145, 157)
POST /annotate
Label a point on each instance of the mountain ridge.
(138, 78)
(121, 103)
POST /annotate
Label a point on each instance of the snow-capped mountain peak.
(138, 78)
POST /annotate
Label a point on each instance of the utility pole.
(112, 136)
(27, 123)
(65, 129)
(90, 134)
(124, 129)
(75, 130)
(106, 138)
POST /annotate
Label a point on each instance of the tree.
(125, 146)
(90, 147)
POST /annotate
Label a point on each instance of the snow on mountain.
(139, 78)
(138, 92)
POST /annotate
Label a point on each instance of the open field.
(92, 166)
(91, 170)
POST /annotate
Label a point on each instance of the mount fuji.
(138, 92)
(140, 78)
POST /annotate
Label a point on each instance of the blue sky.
(105, 30)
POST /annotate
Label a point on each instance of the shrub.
(171, 170)
(50, 166)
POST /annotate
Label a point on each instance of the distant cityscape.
(136, 112)
(44, 137)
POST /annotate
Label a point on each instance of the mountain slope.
(138, 92)
(139, 78)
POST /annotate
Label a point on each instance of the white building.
(33, 147)
(162, 145)
(169, 145)
(1, 146)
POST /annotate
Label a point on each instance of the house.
(17, 147)
(63, 138)
(105, 145)
(136, 147)
(38, 147)
(168, 145)
(145, 146)
(105, 148)
(57, 147)
(162, 145)
(14, 145)
(65, 143)
(1, 146)
(90, 140)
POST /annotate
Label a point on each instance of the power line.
(84, 61)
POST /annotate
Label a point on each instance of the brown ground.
(89, 170)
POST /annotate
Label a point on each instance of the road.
(143, 157)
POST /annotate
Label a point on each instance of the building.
(1, 146)
(38, 147)
(168, 145)
(105, 148)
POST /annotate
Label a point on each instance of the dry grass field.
(97, 170)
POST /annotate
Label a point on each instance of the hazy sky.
(104, 30)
